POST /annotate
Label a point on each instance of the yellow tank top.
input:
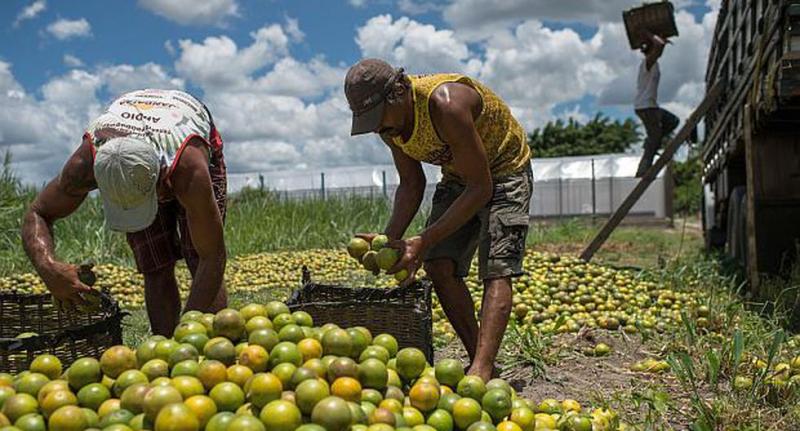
(504, 139)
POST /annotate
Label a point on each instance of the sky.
(271, 71)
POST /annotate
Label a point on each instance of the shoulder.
(453, 98)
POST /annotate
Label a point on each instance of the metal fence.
(563, 187)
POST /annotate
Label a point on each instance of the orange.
(188, 386)
(147, 349)
(372, 374)
(67, 418)
(391, 404)
(360, 341)
(187, 328)
(31, 383)
(309, 393)
(155, 368)
(346, 388)
(133, 398)
(165, 348)
(176, 417)
(544, 421)
(191, 315)
(316, 366)
(393, 392)
(276, 308)
(281, 320)
(303, 319)
(466, 411)
(51, 386)
(377, 352)
(183, 352)
(471, 387)
(257, 322)
(440, 420)
(246, 423)
(93, 395)
(211, 372)
(220, 349)
(220, 421)
(508, 426)
(497, 403)
(337, 342)
(342, 367)
(524, 417)
(252, 310)
(300, 375)
(117, 359)
(393, 379)
(570, 405)
(413, 417)
(410, 363)
(310, 349)
(6, 379)
(332, 413)
(424, 396)
(482, 426)
(291, 332)
(227, 396)
(239, 374)
(107, 406)
(19, 405)
(549, 406)
(388, 342)
(284, 372)
(446, 401)
(371, 396)
(127, 379)
(47, 364)
(264, 388)
(116, 417)
(379, 427)
(285, 352)
(266, 338)
(280, 415)
(449, 372)
(382, 415)
(158, 397)
(254, 357)
(6, 392)
(203, 408)
(29, 422)
(57, 399)
(228, 323)
(188, 367)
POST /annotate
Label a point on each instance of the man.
(156, 158)
(483, 199)
(658, 122)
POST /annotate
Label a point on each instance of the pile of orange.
(264, 368)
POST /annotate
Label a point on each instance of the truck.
(750, 153)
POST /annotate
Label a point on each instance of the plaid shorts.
(168, 240)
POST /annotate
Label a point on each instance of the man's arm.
(408, 196)
(191, 183)
(654, 54)
(453, 109)
(59, 198)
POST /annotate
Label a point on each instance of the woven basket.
(69, 336)
(658, 18)
(403, 312)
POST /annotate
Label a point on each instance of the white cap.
(126, 170)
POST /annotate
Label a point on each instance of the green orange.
(47, 364)
(280, 415)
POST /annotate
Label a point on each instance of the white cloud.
(192, 12)
(122, 78)
(72, 61)
(357, 3)
(413, 7)
(169, 47)
(31, 11)
(65, 28)
(292, 28)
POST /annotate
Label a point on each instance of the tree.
(571, 138)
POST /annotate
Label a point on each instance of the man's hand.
(411, 252)
(64, 283)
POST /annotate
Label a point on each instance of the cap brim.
(367, 121)
(131, 219)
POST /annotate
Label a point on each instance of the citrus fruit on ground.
(183, 352)
(31, 422)
(424, 396)
(549, 406)
(370, 261)
(387, 257)
(446, 401)
(176, 417)
(357, 414)
(5, 393)
(191, 315)
(524, 417)
(246, 423)
(121, 416)
(117, 359)
(570, 405)
(187, 328)
(310, 349)
(108, 406)
(482, 426)
(196, 340)
(282, 320)
(280, 415)
(388, 342)
(57, 399)
(264, 388)
(300, 375)
(188, 367)
(309, 393)
(188, 386)
(227, 396)
(254, 357)
(360, 341)
(466, 411)
(133, 398)
(158, 397)
(220, 421)
(147, 349)
(285, 352)
(332, 413)
(449, 372)
(508, 426)
(471, 387)
(410, 363)
(357, 247)
(19, 405)
(211, 372)
(377, 352)
(47, 364)
(67, 418)
(51, 386)
(342, 367)
(579, 423)
(371, 396)
(155, 368)
(497, 403)
(276, 308)
(31, 383)
(164, 348)
(413, 417)
(499, 384)
(239, 374)
(392, 404)
(127, 379)
(91, 417)
(252, 310)
(266, 338)
(303, 319)
(372, 374)
(544, 421)
(393, 392)
(291, 332)
(441, 420)
(228, 323)
(284, 372)
(220, 349)
(203, 408)
(337, 342)
(346, 388)
(256, 323)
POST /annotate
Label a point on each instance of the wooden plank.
(650, 175)
(752, 249)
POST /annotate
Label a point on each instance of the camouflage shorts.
(498, 231)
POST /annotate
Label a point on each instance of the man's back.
(647, 86)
